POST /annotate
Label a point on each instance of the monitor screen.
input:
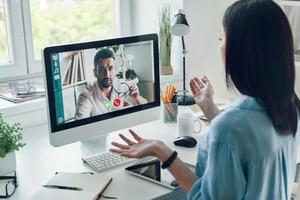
(94, 81)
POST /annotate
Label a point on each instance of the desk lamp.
(180, 27)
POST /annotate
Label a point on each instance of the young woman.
(250, 150)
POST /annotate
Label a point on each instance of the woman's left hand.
(135, 149)
(202, 90)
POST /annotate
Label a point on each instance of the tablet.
(150, 169)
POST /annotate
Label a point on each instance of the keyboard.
(105, 161)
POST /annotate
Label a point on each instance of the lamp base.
(185, 100)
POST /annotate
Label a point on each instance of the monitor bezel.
(55, 127)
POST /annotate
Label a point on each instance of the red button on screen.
(117, 102)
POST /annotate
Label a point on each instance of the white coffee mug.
(186, 124)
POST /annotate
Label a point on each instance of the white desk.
(38, 161)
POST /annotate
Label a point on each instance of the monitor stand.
(94, 146)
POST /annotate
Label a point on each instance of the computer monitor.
(98, 87)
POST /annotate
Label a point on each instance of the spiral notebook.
(91, 185)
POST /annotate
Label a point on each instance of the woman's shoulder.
(246, 129)
(222, 127)
(238, 120)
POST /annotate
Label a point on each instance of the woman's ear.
(223, 46)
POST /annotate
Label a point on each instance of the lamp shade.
(180, 26)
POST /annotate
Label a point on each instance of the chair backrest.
(70, 104)
(70, 97)
(79, 88)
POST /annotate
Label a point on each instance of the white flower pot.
(8, 163)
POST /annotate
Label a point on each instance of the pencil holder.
(169, 112)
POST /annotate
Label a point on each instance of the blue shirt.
(244, 157)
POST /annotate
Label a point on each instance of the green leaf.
(165, 36)
(11, 138)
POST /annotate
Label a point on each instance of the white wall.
(144, 19)
(88, 56)
(205, 19)
(142, 61)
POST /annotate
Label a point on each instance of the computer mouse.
(185, 141)
(174, 184)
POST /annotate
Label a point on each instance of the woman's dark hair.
(260, 59)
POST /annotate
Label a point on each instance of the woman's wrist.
(206, 103)
(162, 151)
(210, 109)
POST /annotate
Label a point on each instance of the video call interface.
(92, 82)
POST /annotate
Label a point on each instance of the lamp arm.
(183, 62)
(183, 45)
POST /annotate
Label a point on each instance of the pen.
(103, 190)
(62, 187)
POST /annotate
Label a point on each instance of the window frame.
(20, 39)
(17, 65)
(34, 66)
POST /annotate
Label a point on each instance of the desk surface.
(38, 161)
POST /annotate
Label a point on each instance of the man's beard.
(105, 82)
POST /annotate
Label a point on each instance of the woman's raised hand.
(202, 90)
(203, 95)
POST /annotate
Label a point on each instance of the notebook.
(91, 185)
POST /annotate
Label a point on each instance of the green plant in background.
(10, 137)
(164, 34)
(165, 37)
(129, 74)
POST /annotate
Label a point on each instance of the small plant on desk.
(11, 140)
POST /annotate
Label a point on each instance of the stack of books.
(23, 90)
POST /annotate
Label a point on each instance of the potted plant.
(165, 39)
(129, 75)
(11, 140)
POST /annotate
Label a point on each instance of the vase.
(165, 55)
(8, 163)
(166, 70)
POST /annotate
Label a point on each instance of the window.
(4, 53)
(26, 26)
(13, 55)
(63, 21)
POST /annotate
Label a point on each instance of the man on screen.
(107, 93)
